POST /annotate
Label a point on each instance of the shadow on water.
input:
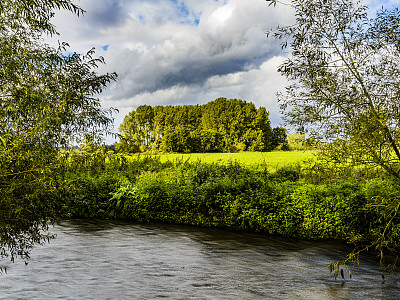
(121, 260)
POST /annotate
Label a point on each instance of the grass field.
(269, 160)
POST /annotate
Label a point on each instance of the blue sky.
(385, 3)
(184, 51)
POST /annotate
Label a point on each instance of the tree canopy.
(344, 72)
(344, 69)
(221, 125)
(47, 101)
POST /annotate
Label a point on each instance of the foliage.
(46, 102)
(298, 141)
(279, 139)
(218, 126)
(235, 197)
(344, 73)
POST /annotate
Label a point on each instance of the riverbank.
(235, 197)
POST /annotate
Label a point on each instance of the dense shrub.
(234, 197)
(88, 195)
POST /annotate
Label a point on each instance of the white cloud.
(256, 85)
(181, 51)
(170, 52)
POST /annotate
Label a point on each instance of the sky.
(177, 52)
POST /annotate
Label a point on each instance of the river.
(115, 260)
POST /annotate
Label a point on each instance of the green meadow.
(257, 160)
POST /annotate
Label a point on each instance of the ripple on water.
(110, 260)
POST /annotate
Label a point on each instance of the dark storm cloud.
(229, 38)
(191, 72)
(107, 13)
(181, 51)
(184, 51)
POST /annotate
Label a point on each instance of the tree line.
(222, 125)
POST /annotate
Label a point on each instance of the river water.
(107, 260)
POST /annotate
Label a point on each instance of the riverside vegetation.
(344, 89)
(304, 200)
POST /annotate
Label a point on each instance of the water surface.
(108, 260)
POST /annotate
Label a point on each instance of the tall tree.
(47, 101)
(344, 69)
(220, 125)
(279, 139)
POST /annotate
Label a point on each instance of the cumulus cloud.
(170, 52)
(181, 51)
(256, 85)
(228, 38)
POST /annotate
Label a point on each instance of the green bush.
(234, 197)
(87, 196)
